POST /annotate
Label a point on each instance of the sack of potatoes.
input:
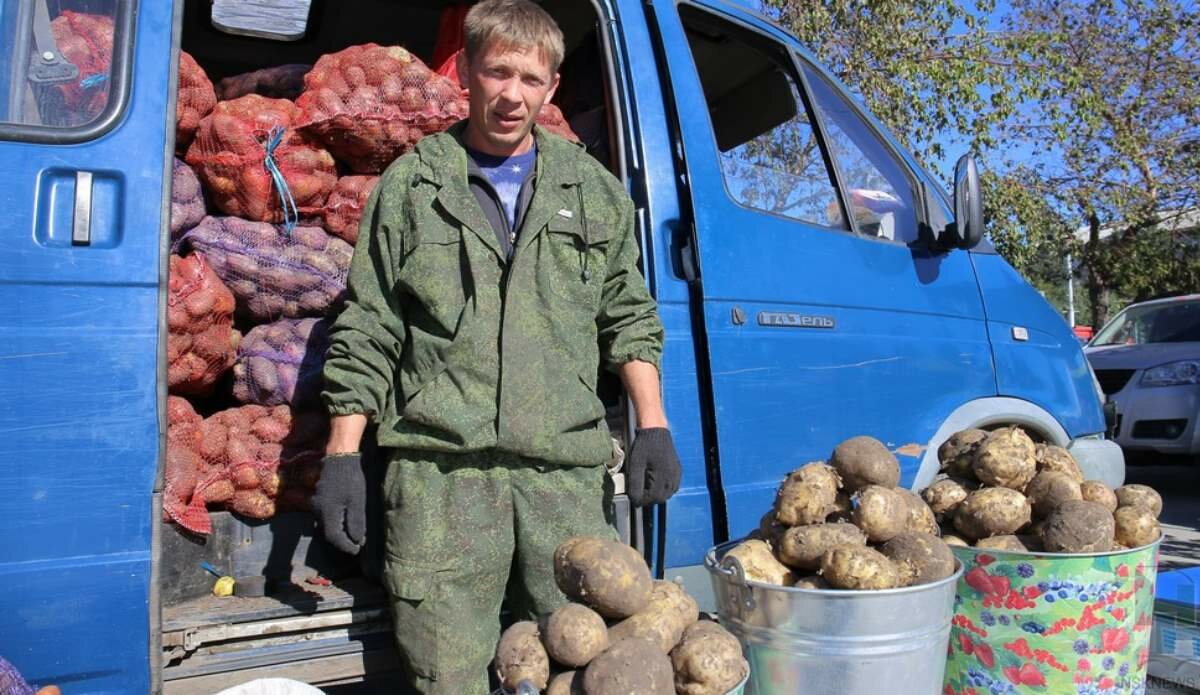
(621, 632)
(845, 524)
(1001, 490)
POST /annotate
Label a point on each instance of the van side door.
(86, 127)
(827, 310)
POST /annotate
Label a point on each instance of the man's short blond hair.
(513, 24)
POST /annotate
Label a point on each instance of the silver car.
(1147, 360)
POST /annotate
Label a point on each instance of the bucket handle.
(743, 594)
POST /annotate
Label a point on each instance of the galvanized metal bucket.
(828, 641)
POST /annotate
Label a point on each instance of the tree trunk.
(1097, 277)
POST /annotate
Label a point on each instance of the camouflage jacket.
(449, 347)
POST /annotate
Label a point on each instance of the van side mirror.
(967, 229)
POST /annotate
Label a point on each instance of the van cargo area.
(324, 617)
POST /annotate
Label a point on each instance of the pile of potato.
(621, 633)
(1001, 490)
(344, 207)
(201, 340)
(846, 525)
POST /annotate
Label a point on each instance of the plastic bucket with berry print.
(1034, 622)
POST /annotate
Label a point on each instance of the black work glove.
(341, 501)
(652, 468)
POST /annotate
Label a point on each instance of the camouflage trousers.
(465, 531)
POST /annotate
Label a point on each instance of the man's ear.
(463, 67)
(553, 88)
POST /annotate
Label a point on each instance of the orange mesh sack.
(344, 207)
(86, 40)
(280, 363)
(187, 200)
(279, 82)
(274, 273)
(370, 104)
(201, 342)
(195, 101)
(256, 166)
(253, 453)
(183, 466)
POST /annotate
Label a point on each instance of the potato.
(958, 452)
(881, 513)
(1006, 459)
(819, 473)
(574, 634)
(759, 563)
(920, 558)
(919, 518)
(609, 576)
(800, 501)
(858, 567)
(769, 529)
(842, 509)
(634, 665)
(951, 539)
(566, 683)
(992, 511)
(1135, 526)
(1097, 491)
(863, 461)
(1007, 542)
(708, 661)
(1058, 459)
(944, 496)
(1140, 496)
(521, 656)
(1049, 489)
(803, 546)
(812, 581)
(1078, 526)
(662, 621)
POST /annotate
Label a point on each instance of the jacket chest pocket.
(432, 278)
(578, 260)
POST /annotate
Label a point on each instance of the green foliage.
(1085, 112)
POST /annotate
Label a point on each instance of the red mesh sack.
(183, 467)
(195, 101)
(201, 342)
(279, 82)
(253, 453)
(370, 104)
(274, 273)
(256, 166)
(86, 40)
(344, 207)
(187, 200)
(551, 118)
(280, 363)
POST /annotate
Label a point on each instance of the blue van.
(815, 282)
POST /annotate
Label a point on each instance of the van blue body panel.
(79, 409)
(1067, 390)
(907, 337)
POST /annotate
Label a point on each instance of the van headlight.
(1173, 374)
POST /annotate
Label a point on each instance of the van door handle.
(81, 221)
(685, 241)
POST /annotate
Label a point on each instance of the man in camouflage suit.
(482, 302)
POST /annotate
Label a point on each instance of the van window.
(879, 189)
(56, 60)
(770, 156)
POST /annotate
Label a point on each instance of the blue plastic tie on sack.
(291, 215)
(93, 80)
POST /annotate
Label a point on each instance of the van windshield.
(1169, 322)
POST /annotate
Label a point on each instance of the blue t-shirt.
(507, 175)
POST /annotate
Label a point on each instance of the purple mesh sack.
(280, 363)
(273, 273)
(11, 682)
(187, 200)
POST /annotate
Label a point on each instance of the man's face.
(508, 87)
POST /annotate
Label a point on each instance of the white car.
(1147, 360)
